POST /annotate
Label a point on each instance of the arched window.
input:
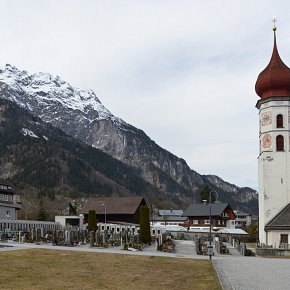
(280, 143)
(279, 121)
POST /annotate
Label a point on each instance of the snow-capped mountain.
(46, 96)
(79, 113)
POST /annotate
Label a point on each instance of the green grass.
(52, 269)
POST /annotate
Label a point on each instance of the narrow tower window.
(280, 143)
(280, 121)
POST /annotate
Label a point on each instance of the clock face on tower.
(266, 118)
(267, 141)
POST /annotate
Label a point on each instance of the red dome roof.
(274, 80)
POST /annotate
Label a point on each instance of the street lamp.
(104, 237)
(210, 247)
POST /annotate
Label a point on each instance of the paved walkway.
(184, 249)
(247, 273)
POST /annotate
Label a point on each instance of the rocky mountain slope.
(46, 165)
(80, 114)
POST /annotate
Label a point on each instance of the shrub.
(92, 221)
(249, 252)
(145, 235)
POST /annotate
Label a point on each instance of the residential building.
(168, 220)
(222, 215)
(9, 203)
(168, 217)
(114, 209)
(242, 219)
(170, 212)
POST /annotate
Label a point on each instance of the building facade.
(242, 219)
(9, 203)
(273, 87)
(222, 215)
(114, 209)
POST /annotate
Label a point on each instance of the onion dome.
(274, 80)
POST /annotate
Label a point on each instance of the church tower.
(273, 88)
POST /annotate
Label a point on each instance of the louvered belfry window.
(280, 143)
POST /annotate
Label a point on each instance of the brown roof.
(114, 205)
(281, 221)
(274, 80)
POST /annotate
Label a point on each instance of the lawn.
(53, 269)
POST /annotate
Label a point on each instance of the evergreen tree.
(92, 221)
(145, 235)
(71, 209)
(42, 215)
(204, 195)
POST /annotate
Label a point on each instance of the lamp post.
(104, 239)
(210, 247)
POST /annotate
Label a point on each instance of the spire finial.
(274, 21)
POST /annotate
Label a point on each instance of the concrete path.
(184, 249)
(247, 273)
(233, 251)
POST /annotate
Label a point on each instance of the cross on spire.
(274, 21)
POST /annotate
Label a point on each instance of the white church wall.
(274, 237)
(274, 172)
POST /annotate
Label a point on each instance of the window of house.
(284, 238)
(153, 232)
(7, 213)
(279, 121)
(280, 143)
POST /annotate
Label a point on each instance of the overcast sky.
(183, 71)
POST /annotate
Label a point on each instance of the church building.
(273, 88)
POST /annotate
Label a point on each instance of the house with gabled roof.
(9, 203)
(168, 217)
(114, 209)
(170, 212)
(222, 215)
(278, 228)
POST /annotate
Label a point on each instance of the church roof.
(274, 80)
(281, 221)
